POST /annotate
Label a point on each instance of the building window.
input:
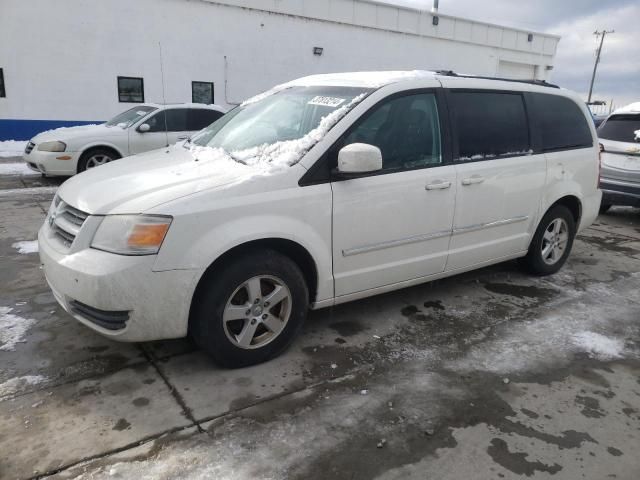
(2, 91)
(202, 92)
(130, 90)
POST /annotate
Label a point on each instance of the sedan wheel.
(97, 160)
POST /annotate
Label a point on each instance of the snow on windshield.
(279, 154)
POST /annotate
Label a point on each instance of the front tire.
(95, 158)
(250, 310)
(552, 242)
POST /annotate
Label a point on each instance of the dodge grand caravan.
(324, 190)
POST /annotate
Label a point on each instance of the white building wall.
(61, 59)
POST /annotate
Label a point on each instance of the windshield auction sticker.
(327, 101)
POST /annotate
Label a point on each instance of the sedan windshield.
(621, 128)
(128, 118)
(288, 122)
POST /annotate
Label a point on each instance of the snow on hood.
(65, 133)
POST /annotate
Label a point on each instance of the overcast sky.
(575, 20)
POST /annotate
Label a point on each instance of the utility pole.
(595, 66)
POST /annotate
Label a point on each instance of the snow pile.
(598, 346)
(13, 328)
(12, 148)
(26, 247)
(14, 385)
(16, 169)
(636, 135)
(269, 157)
(76, 128)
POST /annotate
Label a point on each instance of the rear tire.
(552, 242)
(233, 319)
(95, 157)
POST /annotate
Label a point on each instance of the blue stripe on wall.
(12, 129)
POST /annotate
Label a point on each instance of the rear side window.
(621, 128)
(489, 125)
(561, 122)
(200, 118)
(173, 120)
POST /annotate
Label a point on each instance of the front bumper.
(616, 192)
(93, 285)
(50, 164)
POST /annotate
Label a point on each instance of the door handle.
(183, 137)
(438, 185)
(472, 180)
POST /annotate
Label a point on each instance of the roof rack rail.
(540, 83)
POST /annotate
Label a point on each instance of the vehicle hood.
(65, 134)
(139, 183)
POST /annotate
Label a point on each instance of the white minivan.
(324, 190)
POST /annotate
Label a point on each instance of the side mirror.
(359, 158)
(144, 128)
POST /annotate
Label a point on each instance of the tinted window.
(130, 90)
(176, 121)
(3, 93)
(200, 118)
(621, 128)
(202, 92)
(406, 130)
(490, 125)
(561, 122)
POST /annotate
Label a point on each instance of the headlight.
(131, 234)
(52, 147)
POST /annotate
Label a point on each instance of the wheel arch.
(289, 248)
(574, 205)
(99, 146)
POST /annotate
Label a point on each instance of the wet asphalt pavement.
(490, 374)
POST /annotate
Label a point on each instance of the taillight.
(601, 149)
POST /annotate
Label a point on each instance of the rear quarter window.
(561, 123)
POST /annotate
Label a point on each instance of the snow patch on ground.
(13, 328)
(17, 168)
(14, 385)
(26, 247)
(598, 346)
(28, 191)
(12, 148)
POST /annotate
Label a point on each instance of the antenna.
(164, 98)
(600, 35)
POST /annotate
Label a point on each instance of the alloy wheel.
(257, 312)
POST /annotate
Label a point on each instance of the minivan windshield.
(621, 128)
(295, 118)
(128, 118)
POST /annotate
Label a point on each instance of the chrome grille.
(29, 148)
(65, 222)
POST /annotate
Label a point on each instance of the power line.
(599, 51)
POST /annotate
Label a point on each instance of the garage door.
(522, 71)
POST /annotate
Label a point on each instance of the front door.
(500, 180)
(395, 225)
